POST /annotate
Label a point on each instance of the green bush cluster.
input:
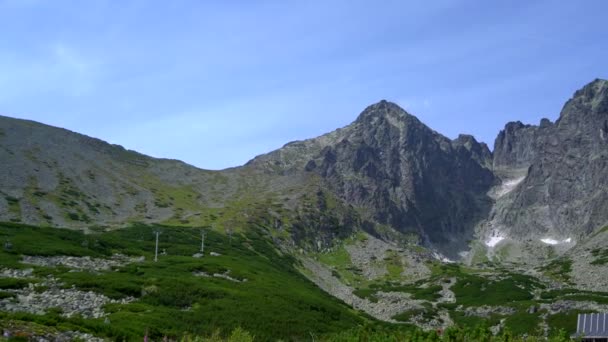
(559, 269)
(473, 290)
(14, 283)
(601, 255)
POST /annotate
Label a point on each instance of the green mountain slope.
(179, 294)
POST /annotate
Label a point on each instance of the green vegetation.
(565, 321)
(523, 322)
(601, 255)
(574, 294)
(453, 334)
(339, 260)
(12, 283)
(276, 301)
(559, 269)
(4, 294)
(472, 290)
(370, 294)
(14, 207)
(394, 265)
(429, 292)
(418, 290)
(369, 333)
(408, 315)
(464, 320)
(476, 289)
(11, 200)
(77, 205)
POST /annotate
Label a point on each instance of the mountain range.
(386, 174)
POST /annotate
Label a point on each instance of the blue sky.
(215, 83)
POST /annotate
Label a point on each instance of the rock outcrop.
(515, 147)
(408, 176)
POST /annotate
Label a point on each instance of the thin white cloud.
(59, 69)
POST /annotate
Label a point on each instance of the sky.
(215, 83)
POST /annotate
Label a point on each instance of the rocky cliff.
(565, 191)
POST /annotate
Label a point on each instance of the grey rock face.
(480, 152)
(565, 191)
(515, 146)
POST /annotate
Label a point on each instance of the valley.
(383, 228)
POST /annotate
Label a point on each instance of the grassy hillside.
(275, 300)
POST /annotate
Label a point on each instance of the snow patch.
(551, 241)
(495, 237)
(508, 186)
(443, 258)
(494, 240)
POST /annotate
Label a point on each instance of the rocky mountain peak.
(513, 147)
(544, 123)
(385, 110)
(587, 107)
(467, 140)
(518, 144)
(479, 151)
(598, 88)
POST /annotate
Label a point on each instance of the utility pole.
(156, 249)
(229, 231)
(203, 241)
